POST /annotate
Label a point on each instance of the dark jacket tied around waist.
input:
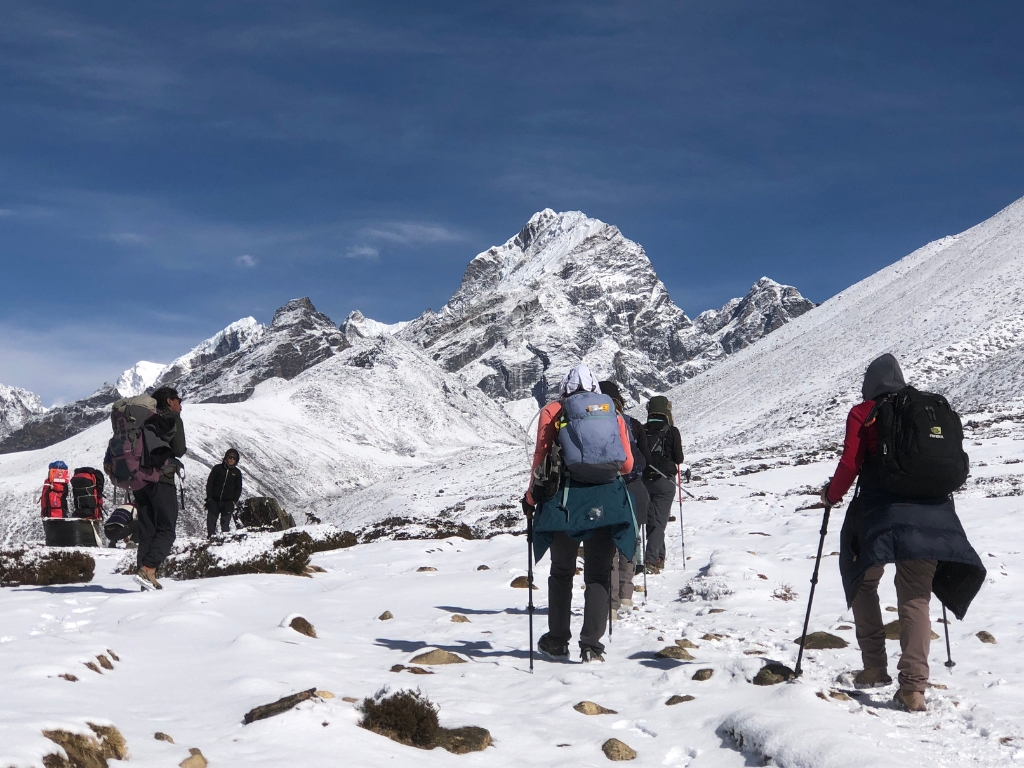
(579, 509)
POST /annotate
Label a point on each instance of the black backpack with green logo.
(920, 445)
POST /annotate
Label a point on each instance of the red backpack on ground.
(87, 493)
(54, 498)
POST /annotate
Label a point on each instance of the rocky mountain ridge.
(17, 406)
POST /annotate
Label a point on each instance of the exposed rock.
(674, 652)
(716, 610)
(819, 641)
(195, 759)
(324, 695)
(840, 696)
(86, 751)
(458, 618)
(350, 699)
(703, 674)
(483, 568)
(302, 626)
(94, 667)
(460, 741)
(590, 708)
(113, 655)
(161, 736)
(314, 569)
(679, 699)
(42, 566)
(104, 662)
(437, 656)
(773, 674)
(986, 637)
(892, 631)
(277, 707)
(69, 677)
(413, 670)
(56, 424)
(521, 582)
(386, 616)
(425, 569)
(617, 750)
(754, 652)
(843, 627)
(684, 643)
(16, 407)
(327, 538)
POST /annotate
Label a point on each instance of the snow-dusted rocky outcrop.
(16, 407)
(358, 326)
(951, 312)
(61, 422)
(569, 288)
(139, 378)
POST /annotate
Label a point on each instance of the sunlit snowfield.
(198, 655)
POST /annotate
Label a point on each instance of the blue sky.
(168, 168)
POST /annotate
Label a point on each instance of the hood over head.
(231, 452)
(578, 379)
(659, 405)
(883, 377)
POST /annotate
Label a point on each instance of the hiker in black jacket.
(223, 490)
(666, 447)
(622, 569)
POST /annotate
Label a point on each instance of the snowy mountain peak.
(16, 407)
(139, 378)
(358, 326)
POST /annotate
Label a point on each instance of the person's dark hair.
(611, 389)
(163, 394)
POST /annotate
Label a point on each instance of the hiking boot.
(911, 701)
(652, 569)
(625, 603)
(147, 579)
(872, 677)
(589, 653)
(552, 647)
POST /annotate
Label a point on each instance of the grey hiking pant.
(662, 492)
(157, 506)
(622, 569)
(913, 593)
(598, 551)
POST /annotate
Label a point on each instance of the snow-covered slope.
(570, 288)
(139, 378)
(16, 407)
(358, 326)
(952, 312)
(379, 410)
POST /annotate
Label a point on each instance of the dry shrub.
(784, 592)
(408, 717)
(38, 566)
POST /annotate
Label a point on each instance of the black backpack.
(659, 441)
(920, 445)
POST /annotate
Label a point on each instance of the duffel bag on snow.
(87, 492)
(264, 512)
(121, 523)
(588, 435)
(920, 445)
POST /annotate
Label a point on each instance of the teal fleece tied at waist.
(578, 510)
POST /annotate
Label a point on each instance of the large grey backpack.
(588, 434)
(140, 445)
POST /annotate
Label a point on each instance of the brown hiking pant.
(913, 592)
(622, 579)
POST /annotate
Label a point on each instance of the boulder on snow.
(458, 618)
(483, 568)
(437, 656)
(684, 643)
(385, 616)
(590, 708)
(674, 652)
(161, 736)
(232, 554)
(195, 759)
(986, 637)
(302, 626)
(820, 641)
(327, 538)
(277, 707)
(461, 741)
(617, 750)
(892, 631)
(521, 582)
(773, 674)
(703, 674)
(41, 566)
(86, 750)
(425, 569)
(679, 699)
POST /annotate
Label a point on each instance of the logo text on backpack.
(602, 407)
(936, 432)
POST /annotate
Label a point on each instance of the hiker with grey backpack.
(576, 495)
(905, 449)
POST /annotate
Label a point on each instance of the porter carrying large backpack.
(141, 443)
(87, 493)
(920, 445)
(659, 440)
(588, 435)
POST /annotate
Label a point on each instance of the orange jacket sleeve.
(627, 465)
(545, 437)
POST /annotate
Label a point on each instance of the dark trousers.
(215, 510)
(597, 568)
(663, 493)
(157, 506)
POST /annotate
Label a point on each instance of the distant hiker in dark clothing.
(223, 490)
(156, 503)
(922, 536)
(666, 447)
(622, 568)
(588, 504)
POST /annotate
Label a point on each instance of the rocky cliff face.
(61, 422)
(16, 407)
(569, 288)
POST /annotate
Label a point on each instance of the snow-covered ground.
(198, 655)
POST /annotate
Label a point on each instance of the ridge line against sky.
(204, 164)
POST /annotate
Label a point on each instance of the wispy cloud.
(412, 233)
(362, 252)
(245, 260)
(128, 238)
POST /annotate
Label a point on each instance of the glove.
(528, 508)
(824, 492)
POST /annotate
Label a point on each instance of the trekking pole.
(814, 583)
(529, 578)
(682, 531)
(949, 656)
(643, 557)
